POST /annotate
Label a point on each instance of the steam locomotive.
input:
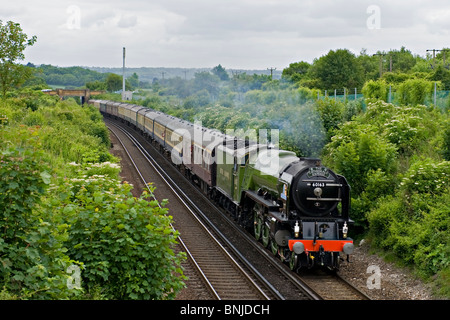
(294, 206)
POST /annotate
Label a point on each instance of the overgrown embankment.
(69, 228)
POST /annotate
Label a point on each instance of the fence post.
(435, 94)
(390, 94)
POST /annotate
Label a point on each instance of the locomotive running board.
(270, 206)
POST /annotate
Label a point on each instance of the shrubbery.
(392, 157)
(32, 257)
(65, 216)
(124, 243)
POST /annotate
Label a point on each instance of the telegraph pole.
(443, 63)
(271, 72)
(381, 61)
(123, 73)
(434, 56)
(390, 62)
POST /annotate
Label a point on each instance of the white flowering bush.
(124, 243)
(427, 176)
(102, 169)
(394, 159)
(69, 228)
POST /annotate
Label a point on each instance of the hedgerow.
(393, 159)
(69, 229)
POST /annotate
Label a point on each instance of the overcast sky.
(247, 34)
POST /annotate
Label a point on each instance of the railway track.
(221, 273)
(289, 285)
(332, 286)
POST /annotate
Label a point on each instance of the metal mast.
(123, 72)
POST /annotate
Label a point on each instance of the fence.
(439, 98)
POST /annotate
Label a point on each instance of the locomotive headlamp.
(296, 230)
(318, 192)
(344, 230)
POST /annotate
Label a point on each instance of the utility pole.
(381, 61)
(123, 72)
(185, 71)
(390, 63)
(271, 72)
(443, 53)
(434, 56)
(163, 73)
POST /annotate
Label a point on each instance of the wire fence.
(439, 98)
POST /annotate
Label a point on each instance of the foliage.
(355, 150)
(32, 259)
(331, 113)
(68, 76)
(337, 69)
(446, 143)
(296, 71)
(415, 222)
(125, 243)
(221, 73)
(69, 216)
(414, 91)
(375, 90)
(13, 42)
(391, 156)
(113, 82)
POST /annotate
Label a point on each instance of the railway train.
(297, 208)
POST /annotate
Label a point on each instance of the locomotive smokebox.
(316, 190)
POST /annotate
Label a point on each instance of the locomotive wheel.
(293, 261)
(257, 225)
(265, 235)
(274, 247)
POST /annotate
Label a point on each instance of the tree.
(296, 71)
(12, 45)
(221, 73)
(370, 65)
(402, 60)
(113, 82)
(133, 80)
(337, 69)
(208, 81)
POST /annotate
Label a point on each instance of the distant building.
(127, 95)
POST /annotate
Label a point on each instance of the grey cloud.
(127, 21)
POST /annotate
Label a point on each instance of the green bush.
(49, 217)
(125, 243)
(446, 142)
(414, 223)
(32, 259)
(332, 114)
(356, 150)
(375, 90)
(414, 91)
(426, 177)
